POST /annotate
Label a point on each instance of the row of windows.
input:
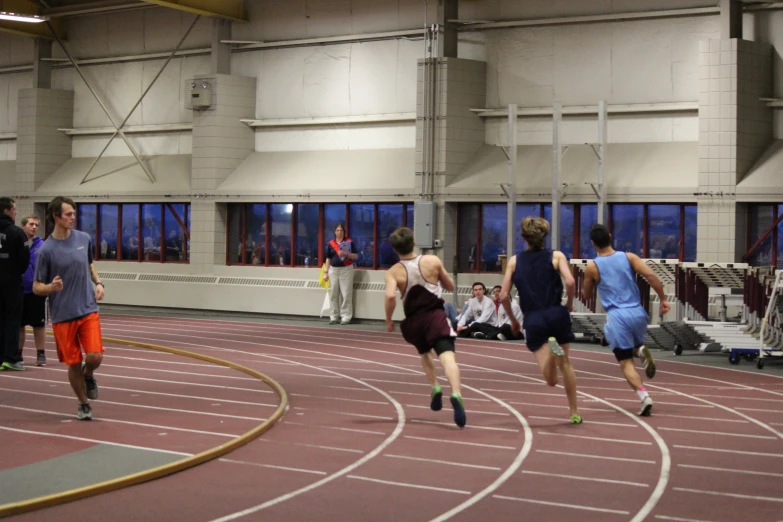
(149, 232)
(770, 251)
(297, 235)
(650, 231)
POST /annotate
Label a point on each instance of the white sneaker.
(501, 337)
(647, 359)
(646, 408)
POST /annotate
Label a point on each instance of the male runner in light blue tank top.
(626, 325)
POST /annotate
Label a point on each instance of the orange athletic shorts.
(73, 336)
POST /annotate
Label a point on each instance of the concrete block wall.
(40, 148)
(734, 128)
(220, 141)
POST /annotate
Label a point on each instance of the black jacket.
(14, 253)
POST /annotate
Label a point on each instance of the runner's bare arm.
(565, 272)
(445, 279)
(641, 268)
(591, 276)
(505, 293)
(99, 288)
(390, 302)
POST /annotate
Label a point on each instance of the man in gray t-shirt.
(65, 272)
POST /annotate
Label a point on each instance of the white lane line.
(621, 459)
(178, 383)
(601, 439)
(181, 396)
(349, 388)
(754, 399)
(562, 420)
(440, 441)
(765, 437)
(344, 471)
(95, 441)
(147, 369)
(590, 479)
(364, 370)
(284, 468)
(445, 462)
(636, 401)
(282, 375)
(408, 485)
(559, 395)
(677, 519)
(363, 415)
(368, 432)
(741, 471)
(472, 412)
(737, 421)
(69, 397)
(316, 446)
(469, 426)
(104, 419)
(605, 410)
(559, 504)
(397, 382)
(466, 399)
(759, 410)
(734, 495)
(337, 399)
(738, 452)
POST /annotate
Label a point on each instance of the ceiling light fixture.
(15, 17)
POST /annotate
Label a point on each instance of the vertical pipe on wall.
(557, 157)
(601, 162)
(512, 181)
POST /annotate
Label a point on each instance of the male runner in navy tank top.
(420, 280)
(626, 320)
(537, 273)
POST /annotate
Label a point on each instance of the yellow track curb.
(17, 508)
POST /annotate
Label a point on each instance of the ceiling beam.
(25, 7)
(33, 30)
(228, 9)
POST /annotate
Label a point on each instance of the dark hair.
(6, 203)
(497, 286)
(55, 207)
(340, 225)
(534, 232)
(402, 241)
(600, 237)
(479, 284)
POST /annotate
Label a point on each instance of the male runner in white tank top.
(420, 280)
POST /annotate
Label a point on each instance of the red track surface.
(360, 442)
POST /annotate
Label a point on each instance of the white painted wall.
(342, 137)
(629, 62)
(584, 129)
(768, 27)
(15, 50)
(7, 150)
(139, 31)
(498, 10)
(288, 19)
(9, 88)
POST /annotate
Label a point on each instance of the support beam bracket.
(229, 9)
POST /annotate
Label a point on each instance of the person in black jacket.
(14, 258)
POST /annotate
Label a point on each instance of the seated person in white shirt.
(501, 330)
(480, 309)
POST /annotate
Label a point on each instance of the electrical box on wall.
(424, 223)
(201, 95)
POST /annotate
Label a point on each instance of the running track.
(360, 443)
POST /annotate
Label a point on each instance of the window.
(281, 218)
(628, 228)
(87, 216)
(588, 216)
(468, 217)
(493, 236)
(130, 232)
(779, 238)
(524, 210)
(689, 225)
(307, 235)
(760, 218)
(389, 219)
(362, 233)
(107, 247)
(334, 214)
(663, 236)
(175, 230)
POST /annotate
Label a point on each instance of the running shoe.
(554, 348)
(40, 359)
(576, 419)
(647, 359)
(334, 321)
(84, 412)
(501, 337)
(479, 335)
(646, 408)
(460, 419)
(436, 404)
(91, 386)
(14, 367)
